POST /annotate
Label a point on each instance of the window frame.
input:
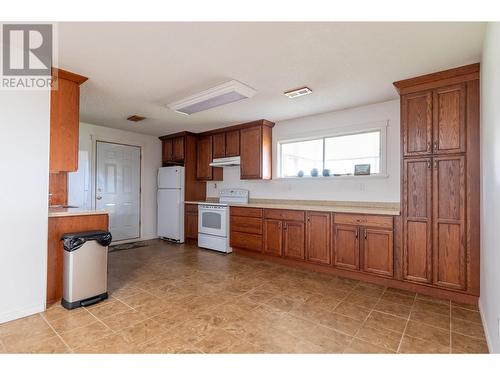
(367, 128)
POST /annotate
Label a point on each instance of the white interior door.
(117, 188)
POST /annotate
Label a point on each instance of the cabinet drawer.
(246, 211)
(291, 215)
(246, 224)
(246, 241)
(188, 207)
(376, 221)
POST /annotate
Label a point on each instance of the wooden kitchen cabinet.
(449, 234)
(219, 145)
(191, 222)
(416, 120)
(318, 237)
(203, 159)
(64, 121)
(167, 149)
(232, 143)
(417, 220)
(273, 237)
(246, 228)
(256, 151)
(178, 149)
(378, 251)
(346, 246)
(294, 240)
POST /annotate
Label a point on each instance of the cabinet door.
(167, 150)
(64, 126)
(318, 237)
(449, 222)
(378, 255)
(219, 149)
(251, 153)
(294, 240)
(416, 115)
(417, 220)
(233, 143)
(449, 119)
(273, 234)
(178, 149)
(346, 246)
(204, 158)
(191, 225)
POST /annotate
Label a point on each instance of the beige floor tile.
(219, 341)
(126, 292)
(465, 344)
(435, 307)
(384, 321)
(123, 320)
(140, 299)
(33, 325)
(412, 345)
(467, 328)
(401, 311)
(401, 291)
(423, 297)
(142, 332)
(380, 337)
(464, 314)
(366, 301)
(352, 311)
(342, 323)
(111, 344)
(465, 306)
(428, 333)
(101, 311)
(29, 346)
(358, 346)
(430, 318)
(243, 347)
(85, 335)
(73, 321)
(56, 311)
(400, 299)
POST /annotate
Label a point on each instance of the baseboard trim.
(483, 321)
(17, 314)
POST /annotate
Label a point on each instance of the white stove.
(213, 220)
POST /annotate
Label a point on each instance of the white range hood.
(226, 162)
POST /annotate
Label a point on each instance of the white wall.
(490, 185)
(340, 189)
(81, 182)
(24, 171)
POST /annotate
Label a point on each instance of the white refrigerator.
(170, 198)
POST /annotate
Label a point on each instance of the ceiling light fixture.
(225, 93)
(298, 92)
(136, 118)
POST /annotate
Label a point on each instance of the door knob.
(98, 198)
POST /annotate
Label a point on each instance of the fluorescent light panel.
(298, 92)
(225, 93)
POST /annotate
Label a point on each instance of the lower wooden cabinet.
(273, 237)
(284, 238)
(318, 237)
(378, 253)
(346, 246)
(191, 222)
(246, 228)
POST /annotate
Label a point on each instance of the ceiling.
(138, 68)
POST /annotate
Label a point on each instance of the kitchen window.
(336, 155)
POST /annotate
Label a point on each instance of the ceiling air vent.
(136, 118)
(298, 92)
(225, 93)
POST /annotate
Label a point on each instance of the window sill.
(343, 177)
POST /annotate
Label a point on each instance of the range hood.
(226, 162)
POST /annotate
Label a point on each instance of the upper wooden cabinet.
(232, 143)
(173, 150)
(178, 148)
(167, 148)
(64, 121)
(203, 159)
(219, 145)
(416, 114)
(256, 151)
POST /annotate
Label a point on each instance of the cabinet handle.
(435, 164)
(357, 231)
(365, 234)
(435, 145)
(285, 226)
(429, 164)
(429, 145)
(279, 225)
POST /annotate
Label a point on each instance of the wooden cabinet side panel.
(204, 158)
(273, 237)
(191, 225)
(55, 256)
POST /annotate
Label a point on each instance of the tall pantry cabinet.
(440, 179)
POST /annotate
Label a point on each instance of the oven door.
(212, 220)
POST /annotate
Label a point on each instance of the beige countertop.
(61, 212)
(374, 208)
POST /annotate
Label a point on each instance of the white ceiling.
(137, 68)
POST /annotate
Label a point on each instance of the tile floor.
(180, 299)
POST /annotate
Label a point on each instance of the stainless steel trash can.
(85, 268)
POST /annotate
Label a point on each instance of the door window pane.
(342, 153)
(301, 156)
